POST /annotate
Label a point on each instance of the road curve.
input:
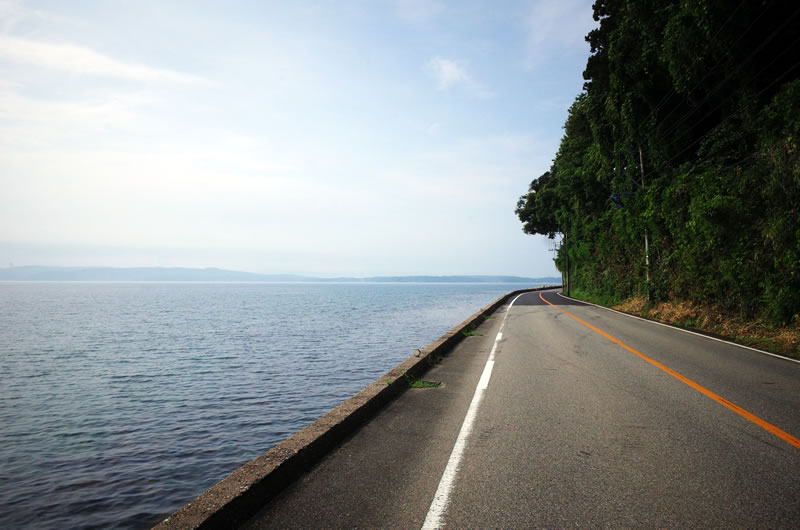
(587, 418)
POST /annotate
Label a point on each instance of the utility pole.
(646, 250)
(556, 248)
(566, 264)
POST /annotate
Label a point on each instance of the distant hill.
(146, 274)
(180, 274)
(464, 279)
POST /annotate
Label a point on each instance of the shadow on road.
(551, 296)
(560, 300)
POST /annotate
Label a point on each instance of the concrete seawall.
(234, 499)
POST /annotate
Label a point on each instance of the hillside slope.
(678, 176)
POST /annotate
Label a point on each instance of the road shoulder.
(387, 473)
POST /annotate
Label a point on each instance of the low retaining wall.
(240, 495)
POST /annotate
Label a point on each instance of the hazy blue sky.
(329, 137)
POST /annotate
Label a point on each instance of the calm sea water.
(120, 402)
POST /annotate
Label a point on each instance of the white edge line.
(684, 330)
(483, 384)
(442, 496)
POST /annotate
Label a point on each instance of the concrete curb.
(240, 495)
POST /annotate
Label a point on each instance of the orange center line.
(703, 390)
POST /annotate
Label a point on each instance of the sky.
(312, 137)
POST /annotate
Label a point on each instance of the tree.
(710, 93)
(536, 209)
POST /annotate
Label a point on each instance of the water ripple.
(120, 402)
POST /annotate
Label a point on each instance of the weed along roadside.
(237, 497)
(421, 383)
(708, 320)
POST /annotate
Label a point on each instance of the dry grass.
(755, 333)
(633, 305)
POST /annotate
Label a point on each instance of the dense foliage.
(709, 91)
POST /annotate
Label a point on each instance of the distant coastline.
(181, 274)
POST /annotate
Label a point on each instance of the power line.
(731, 75)
(716, 107)
(723, 121)
(708, 44)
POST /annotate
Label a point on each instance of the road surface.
(570, 415)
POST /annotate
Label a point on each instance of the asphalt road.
(627, 424)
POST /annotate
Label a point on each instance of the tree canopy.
(707, 93)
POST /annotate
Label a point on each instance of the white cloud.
(119, 111)
(11, 13)
(149, 198)
(557, 27)
(284, 165)
(449, 74)
(80, 60)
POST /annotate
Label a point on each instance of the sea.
(121, 402)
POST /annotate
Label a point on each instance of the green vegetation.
(599, 299)
(685, 135)
(420, 383)
(471, 333)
